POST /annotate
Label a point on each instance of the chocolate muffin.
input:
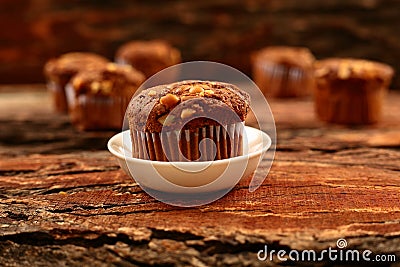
(148, 57)
(281, 71)
(59, 71)
(350, 91)
(188, 121)
(98, 98)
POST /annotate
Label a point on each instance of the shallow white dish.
(191, 177)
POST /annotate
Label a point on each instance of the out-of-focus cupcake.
(281, 71)
(350, 91)
(188, 121)
(59, 71)
(148, 57)
(98, 98)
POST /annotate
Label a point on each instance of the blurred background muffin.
(59, 71)
(351, 91)
(282, 71)
(149, 57)
(98, 97)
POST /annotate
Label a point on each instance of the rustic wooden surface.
(65, 201)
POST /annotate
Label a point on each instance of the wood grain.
(73, 206)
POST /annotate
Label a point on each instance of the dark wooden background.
(220, 30)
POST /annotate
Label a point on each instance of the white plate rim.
(256, 153)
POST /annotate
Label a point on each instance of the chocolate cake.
(59, 71)
(181, 115)
(350, 91)
(281, 71)
(98, 97)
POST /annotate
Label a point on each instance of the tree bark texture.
(66, 202)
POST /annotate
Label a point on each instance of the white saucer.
(190, 177)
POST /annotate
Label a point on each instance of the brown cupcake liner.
(220, 142)
(350, 102)
(283, 80)
(96, 112)
(58, 96)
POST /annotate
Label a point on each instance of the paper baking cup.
(58, 96)
(201, 144)
(349, 102)
(283, 81)
(96, 112)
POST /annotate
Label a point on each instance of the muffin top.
(69, 64)
(350, 68)
(189, 104)
(148, 56)
(107, 79)
(285, 55)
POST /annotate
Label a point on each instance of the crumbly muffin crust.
(108, 79)
(291, 56)
(208, 101)
(148, 56)
(69, 64)
(349, 68)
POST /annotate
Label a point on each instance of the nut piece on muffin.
(148, 57)
(188, 121)
(281, 71)
(98, 97)
(59, 71)
(350, 91)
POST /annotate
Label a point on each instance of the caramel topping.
(186, 113)
(106, 86)
(169, 100)
(152, 93)
(209, 92)
(95, 87)
(196, 89)
(77, 83)
(166, 120)
(111, 67)
(187, 97)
